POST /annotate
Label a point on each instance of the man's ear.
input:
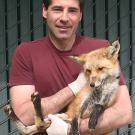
(80, 16)
(44, 11)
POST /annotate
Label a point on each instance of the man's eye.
(73, 10)
(57, 9)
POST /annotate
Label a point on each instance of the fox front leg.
(75, 126)
(94, 115)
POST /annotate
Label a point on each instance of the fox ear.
(113, 49)
(78, 58)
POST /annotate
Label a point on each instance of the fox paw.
(35, 97)
(91, 130)
(8, 110)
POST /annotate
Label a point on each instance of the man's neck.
(63, 44)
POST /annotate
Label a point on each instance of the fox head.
(100, 63)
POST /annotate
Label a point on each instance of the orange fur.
(97, 66)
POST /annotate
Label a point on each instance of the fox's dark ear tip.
(117, 39)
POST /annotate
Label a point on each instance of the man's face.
(63, 17)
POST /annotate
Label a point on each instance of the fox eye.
(88, 71)
(101, 68)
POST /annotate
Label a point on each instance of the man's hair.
(47, 3)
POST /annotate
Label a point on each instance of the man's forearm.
(110, 120)
(52, 104)
(57, 102)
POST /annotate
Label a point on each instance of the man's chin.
(64, 37)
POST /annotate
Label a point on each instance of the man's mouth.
(62, 27)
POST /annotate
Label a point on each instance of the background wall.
(21, 20)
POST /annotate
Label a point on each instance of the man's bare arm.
(118, 115)
(23, 107)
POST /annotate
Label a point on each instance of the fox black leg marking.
(75, 127)
(10, 113)
(37, 104)
(39, 120)
(97, 111)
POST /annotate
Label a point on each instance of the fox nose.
(92, 82)
(92, 85)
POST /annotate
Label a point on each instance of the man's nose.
(64, 17)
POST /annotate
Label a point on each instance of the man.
(43, 65)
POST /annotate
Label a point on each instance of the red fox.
(101, 69)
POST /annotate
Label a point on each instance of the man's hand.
(78, 83)
(57, 127)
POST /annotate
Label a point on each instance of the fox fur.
(101, 69)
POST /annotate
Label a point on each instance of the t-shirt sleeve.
(122, 80)
(21, 69)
